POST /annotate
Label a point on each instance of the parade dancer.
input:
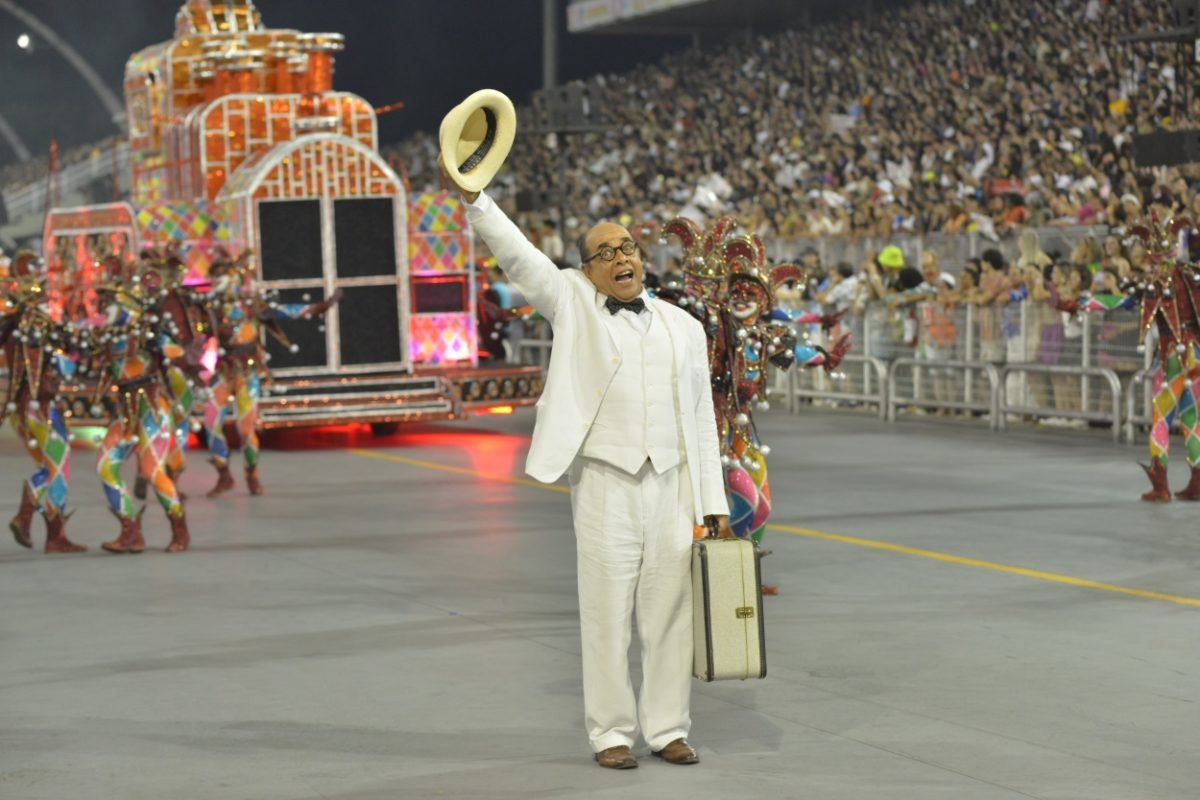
(1169, 295)
(136, 344)
(239, 313)
(37, 351)
(181, 313)
(730, 288)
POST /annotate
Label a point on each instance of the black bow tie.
(637, 305)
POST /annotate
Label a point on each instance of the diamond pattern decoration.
(435, 254)
(438, 212)
(440, 338)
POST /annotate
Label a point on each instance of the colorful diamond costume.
(729, 287)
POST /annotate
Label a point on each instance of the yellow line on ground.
(857, 541)
(1036, 574)
(474, 473)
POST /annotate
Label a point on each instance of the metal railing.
(838, 386)
(1112, 417)
(967, 368)
(995, 362)
(1142, 380)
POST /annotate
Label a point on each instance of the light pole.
(549, 44)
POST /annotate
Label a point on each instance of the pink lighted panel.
(441, 338)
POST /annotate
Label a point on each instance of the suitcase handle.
(712, 530)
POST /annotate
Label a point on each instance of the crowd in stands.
(1014, 311)
(938, 117)
(971, 115)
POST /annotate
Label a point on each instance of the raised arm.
(533, 274)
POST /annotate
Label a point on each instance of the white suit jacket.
(585, 358)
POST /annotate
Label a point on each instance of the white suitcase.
(727, 611)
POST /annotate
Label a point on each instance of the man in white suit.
(627, 415)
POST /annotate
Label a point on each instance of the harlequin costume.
(1168, 293)
(730, 288)
(136, 344)
(37, 350)
(182, 314)
(238, 312)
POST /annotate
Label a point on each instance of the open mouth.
(624, 277)
(744, 310)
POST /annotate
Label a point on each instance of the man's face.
(621, 277)
(929, 270)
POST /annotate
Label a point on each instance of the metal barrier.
(1114, 385)
(968, 368)
(960, 365)
(873, 368)
(540, 346)
(1142, 378)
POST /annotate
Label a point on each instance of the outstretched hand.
(834, 356)
(317, 309)
(829, 321)
(448, 182)
(718, 525)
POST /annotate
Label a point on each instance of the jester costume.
(136, 343)
(1169, 296)
(37, 350)
(237, 313)
(728, 286)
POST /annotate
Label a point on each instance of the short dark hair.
(909, 278)
(994, 259)
(845, 270)
(581, 243)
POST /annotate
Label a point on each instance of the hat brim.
(476, 171)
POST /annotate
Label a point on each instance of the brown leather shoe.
(619, 757)
(678, 752)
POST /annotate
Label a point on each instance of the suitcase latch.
(745, 612)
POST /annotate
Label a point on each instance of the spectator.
(916, 118)
(551, 243)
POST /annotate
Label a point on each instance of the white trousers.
(633, 537)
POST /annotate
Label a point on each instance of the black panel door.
(369, 321)
(307, 334)
(290, 234)
(366, 237)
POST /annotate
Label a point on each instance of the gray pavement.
(379, 627)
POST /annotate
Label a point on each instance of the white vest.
(638, 417)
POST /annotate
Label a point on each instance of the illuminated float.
(238, 140)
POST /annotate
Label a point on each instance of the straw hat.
(476, 136)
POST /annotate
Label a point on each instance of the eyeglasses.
(606, 253)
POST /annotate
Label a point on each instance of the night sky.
(428, 53)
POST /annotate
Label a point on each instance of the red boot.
(224, 480)
(1192, 490)
(252, 482)
(20, 524)
(56, 538)
(130, 540)
(1157, 473)
(179, 533)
